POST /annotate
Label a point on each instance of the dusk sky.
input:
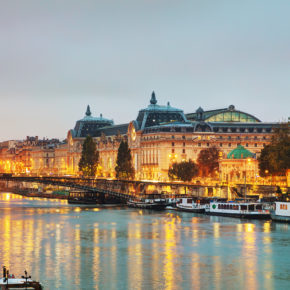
(56, 57)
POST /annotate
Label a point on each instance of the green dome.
(240, 153)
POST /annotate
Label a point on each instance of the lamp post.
(247, 161)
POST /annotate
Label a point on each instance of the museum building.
(161, 135)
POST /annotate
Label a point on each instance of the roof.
(89, 124)
(240, 153)
(229, 114)
(155, 115)
(113, 130)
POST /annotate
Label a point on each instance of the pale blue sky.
(58, 56)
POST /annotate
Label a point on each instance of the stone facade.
(159, 136)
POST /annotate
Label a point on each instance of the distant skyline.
(57, 57)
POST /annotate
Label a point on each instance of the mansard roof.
(89, 125)
(113, 130)
(155, 115)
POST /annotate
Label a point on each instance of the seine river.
(72, 247)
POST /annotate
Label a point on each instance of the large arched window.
(232, 117)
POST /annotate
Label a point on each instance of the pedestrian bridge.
(123, 190)
(85, 184)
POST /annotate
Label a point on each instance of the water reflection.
(73, 247)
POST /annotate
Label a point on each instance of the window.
(172, 136)
(183, 137)
(255, 144)
(199, 144)
(230, 144)
(172, 143)
(207, 144)
(172, 150)
(183, 144)
(247, 145)
(183, 151)
(221, 144)
(283, 206)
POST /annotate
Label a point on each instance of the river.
(111, 247)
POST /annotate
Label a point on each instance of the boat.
(171, 203)
(25, 282)
(192, 205)
(90, 198)
(150, 201)
(281, 211)
(239, 209)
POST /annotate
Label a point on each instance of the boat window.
(251, 207)
(259, 207)
(189, 200)
(219, 206)
(231, 206)
(243, 207)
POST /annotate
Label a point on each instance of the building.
(160, 135)
(240, 166)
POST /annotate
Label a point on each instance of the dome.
(240, 153)
(156, 115)
(89, 124)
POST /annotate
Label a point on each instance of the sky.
(58, 56)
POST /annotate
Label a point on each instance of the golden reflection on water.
(113, 254)
(135, 253)
(195, 257)
(268, 264)
(96, 255)
(155, 250)
(77, 254)
(249, 250)
(216, 233)
(170, 271)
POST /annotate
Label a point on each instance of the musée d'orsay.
(160, 135)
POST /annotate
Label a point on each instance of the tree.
(124, 168)
(90, 157)
(184, 170)
(275, 157)
(207, 161)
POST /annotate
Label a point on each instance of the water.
(71, 247)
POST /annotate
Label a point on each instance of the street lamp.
(248, 160)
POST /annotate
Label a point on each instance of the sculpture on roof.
(88, 112)
(153, 100)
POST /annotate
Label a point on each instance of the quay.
(122, 190)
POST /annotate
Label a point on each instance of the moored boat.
(281, 211)
(253, 210)
(191, 205)
(148, 202)
(25, 282)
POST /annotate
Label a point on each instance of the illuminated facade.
(159, 136)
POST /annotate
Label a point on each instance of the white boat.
(241, 209)
(281, 211)
(25, 282)
(191, 205)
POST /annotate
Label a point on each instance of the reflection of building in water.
(159, 136)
